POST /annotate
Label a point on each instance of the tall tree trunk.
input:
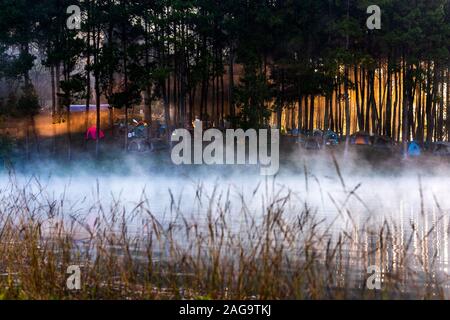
(231, 84)
(429, 105)
(448, 105)
(166, 107)
(148, 111)
(326, 113)
(96, 39)
(88, 74)
(58, 92)
(52, 75)
(69, 135)
(406, 84)
(299, 114)
(306, 119)
(222, 101)
(347, 105)
(311, 113)
(360, 119)
(388, 117)
(440, 85)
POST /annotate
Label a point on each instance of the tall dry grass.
(214, 252)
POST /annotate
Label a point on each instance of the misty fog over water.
(314, 181)
(348, 197)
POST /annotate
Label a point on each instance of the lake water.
(411, 211)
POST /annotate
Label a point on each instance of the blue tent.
(413, 149)
(331, 138)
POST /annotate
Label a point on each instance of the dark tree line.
(289, 63)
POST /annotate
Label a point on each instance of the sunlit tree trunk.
(448, 105)
(88, 73)
(52, 75)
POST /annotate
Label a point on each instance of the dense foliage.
(292, 63)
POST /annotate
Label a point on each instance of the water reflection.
(388, 222)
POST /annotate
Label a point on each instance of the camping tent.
(317, 133)
(91, 133)
(330, 138)
(295, 132)
(360, 138)
(441, 148)
(382, 142)
(413, 149)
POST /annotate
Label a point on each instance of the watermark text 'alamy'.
(235, 144)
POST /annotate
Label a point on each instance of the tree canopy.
(288, 63)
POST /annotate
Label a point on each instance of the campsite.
(224, 150)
